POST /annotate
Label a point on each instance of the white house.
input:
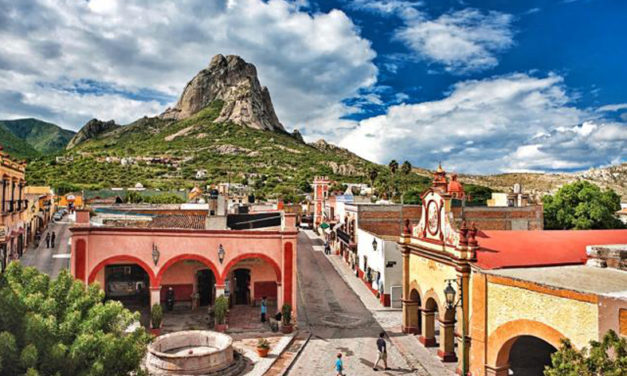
(380, 266)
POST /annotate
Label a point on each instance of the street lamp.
(221, 253)
(374, 244)
(449, 296)
(155, 254)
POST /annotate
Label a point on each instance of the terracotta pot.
(221, 327)
(262, 352)
(155, 331)
(286, 329)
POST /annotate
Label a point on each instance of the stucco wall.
(431, 277)
(575, 319)
(183, 272)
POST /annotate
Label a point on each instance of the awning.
(327, 230)
(324, 225)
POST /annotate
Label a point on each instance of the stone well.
(191, 352)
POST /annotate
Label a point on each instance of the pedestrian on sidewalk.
(48, 240)
(382, 352)
(54, 236)
(264, 309)
(339, 365)
(327, 248)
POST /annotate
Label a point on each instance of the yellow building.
(499, 302)
(13, 208)
(40, 209)
(71, 201)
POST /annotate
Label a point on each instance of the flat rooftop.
(586, 279)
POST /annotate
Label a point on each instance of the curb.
(289, 367)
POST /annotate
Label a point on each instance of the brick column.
(406, 325)
(446, 352)
(427, 337)
(410, 317)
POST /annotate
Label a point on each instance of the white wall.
(386, 251)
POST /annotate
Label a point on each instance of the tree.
(581, 205)
(372, 174)
(406, 168)
(393, 166)
(477, 194)
(60, 327)
(607, 358)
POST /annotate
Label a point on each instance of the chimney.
(82, 217)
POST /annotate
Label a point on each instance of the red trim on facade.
(122, 259)
(277, 268)
(189, 256)
(79, 259)
(288, 267)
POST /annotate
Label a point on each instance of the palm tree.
(373, 176)
(406, 168)
(393, 165)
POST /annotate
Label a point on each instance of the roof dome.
(455, 187)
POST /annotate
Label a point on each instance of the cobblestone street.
(337, 319)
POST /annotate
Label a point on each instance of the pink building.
(199, 264)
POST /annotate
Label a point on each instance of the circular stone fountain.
(193, 352)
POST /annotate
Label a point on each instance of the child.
(339, 366)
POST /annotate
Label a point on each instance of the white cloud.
(310, 63)
(513, 122)
(462, 41)
(612, 107)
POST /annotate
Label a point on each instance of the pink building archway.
(189, 256)
(123, 259)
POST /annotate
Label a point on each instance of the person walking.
(264, 309)
(382, 352)
(52, 238)
(339, 365)
(47, 240)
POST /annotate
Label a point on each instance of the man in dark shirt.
(382, 352)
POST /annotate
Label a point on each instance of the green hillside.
(28, 138)
(275, 163)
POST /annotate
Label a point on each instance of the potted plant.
(156, 319)
(286, 317)
(263, 346)
(220, 308)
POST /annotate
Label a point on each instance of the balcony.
(343, 236)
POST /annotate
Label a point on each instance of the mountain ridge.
(30, 137)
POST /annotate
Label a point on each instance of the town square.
(362, 187)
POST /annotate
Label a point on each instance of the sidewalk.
(417, 356)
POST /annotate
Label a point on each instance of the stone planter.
(262, 351)
(287, 329)
(221, 327)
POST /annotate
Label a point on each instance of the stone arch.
(123, 259)
(432, 298)
(413, 285)
(501, 340)
(189, 256)
(272, 262)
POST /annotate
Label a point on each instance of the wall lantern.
(390, 264)
(449, 294)
(155, 254)
(374, 244)
(221, 253)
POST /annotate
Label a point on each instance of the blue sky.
(483, 86)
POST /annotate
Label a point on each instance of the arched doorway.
(249, 278)
(414, 316)
(529, 355)
(191, 282)
(241, 287)
(205, 287)
(129, 284)
(430, 326)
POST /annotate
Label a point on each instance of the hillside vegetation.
(30, 138)
(273, 162)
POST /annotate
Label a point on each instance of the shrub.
(156, 315)
(286, 312)
(220, 308)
